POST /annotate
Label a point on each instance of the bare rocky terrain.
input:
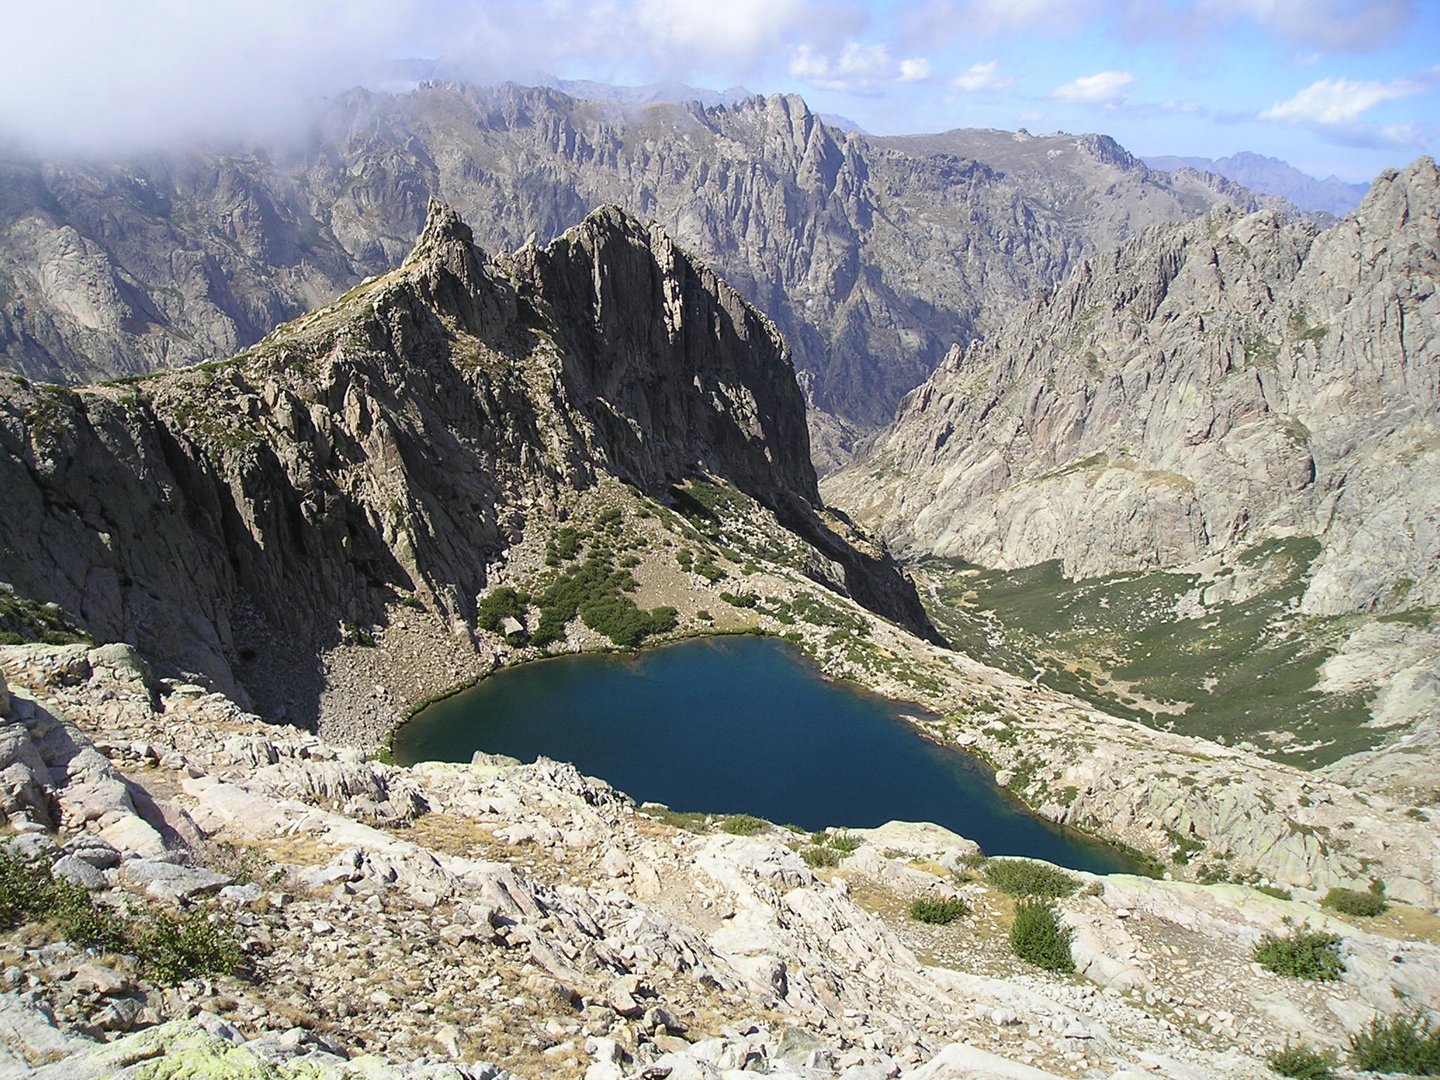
(500, 918)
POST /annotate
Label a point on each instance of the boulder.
(169, 881)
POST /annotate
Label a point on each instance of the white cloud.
(1334, 102)
(855, 69)
(691, 29)
(226, 68)
(1102, 88)
(916, 70)
(981, 79)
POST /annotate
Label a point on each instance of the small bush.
(1299, 1062)
(1301, 954)
(1274, 890)
(1038, 937)
(563, 546)
(938, 910)
(844, 842)
(173, 948)
(1354, 902)
(1020, 878)
(743, 824)
(1407, 1043)
(170, 948)
(815, 856)
(501, 604)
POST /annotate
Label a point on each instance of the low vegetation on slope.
(1226, 656)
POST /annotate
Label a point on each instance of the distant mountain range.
(1272, 176)
(872, 254)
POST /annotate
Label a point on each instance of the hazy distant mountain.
(1274, 177)
(649, 94)
(872, 254)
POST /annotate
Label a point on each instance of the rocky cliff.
(399, 443)
(872, 254)
(1198, 389)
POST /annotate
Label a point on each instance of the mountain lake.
(741, 725)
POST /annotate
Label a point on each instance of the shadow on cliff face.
(239, 521)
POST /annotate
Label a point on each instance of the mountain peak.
(443, 228)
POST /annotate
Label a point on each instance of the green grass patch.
(1241, 668)
(816, 856)
(1354, 902)
(743, 824)
(25, 622)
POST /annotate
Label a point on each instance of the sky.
(1342, 87)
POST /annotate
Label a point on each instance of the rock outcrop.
(1196, 390)
(397, 443)
(872, 254)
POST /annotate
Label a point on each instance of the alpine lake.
(741, 724)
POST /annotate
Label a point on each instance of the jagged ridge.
(400, 440)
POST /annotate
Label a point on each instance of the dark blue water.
(740, 725)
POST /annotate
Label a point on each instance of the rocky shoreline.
(467, 921)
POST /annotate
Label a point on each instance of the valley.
(1154, 539)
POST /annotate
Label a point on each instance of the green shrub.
(816, 856)
(1299, 1062)
(1019, 877)
(708, 568)
(741, 600)
(1274, 890)
(170, 948)
(1406, 1043)
(173, 948)
(562, 546)
(844, 842)
(498, 605)
(596, 592)
(938, 910)
(1038, 937)
(1302, 954)
(743, 824)
(1354, 902)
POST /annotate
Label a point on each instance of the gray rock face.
(1198, 389)
(872, 254)
(400, 440)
